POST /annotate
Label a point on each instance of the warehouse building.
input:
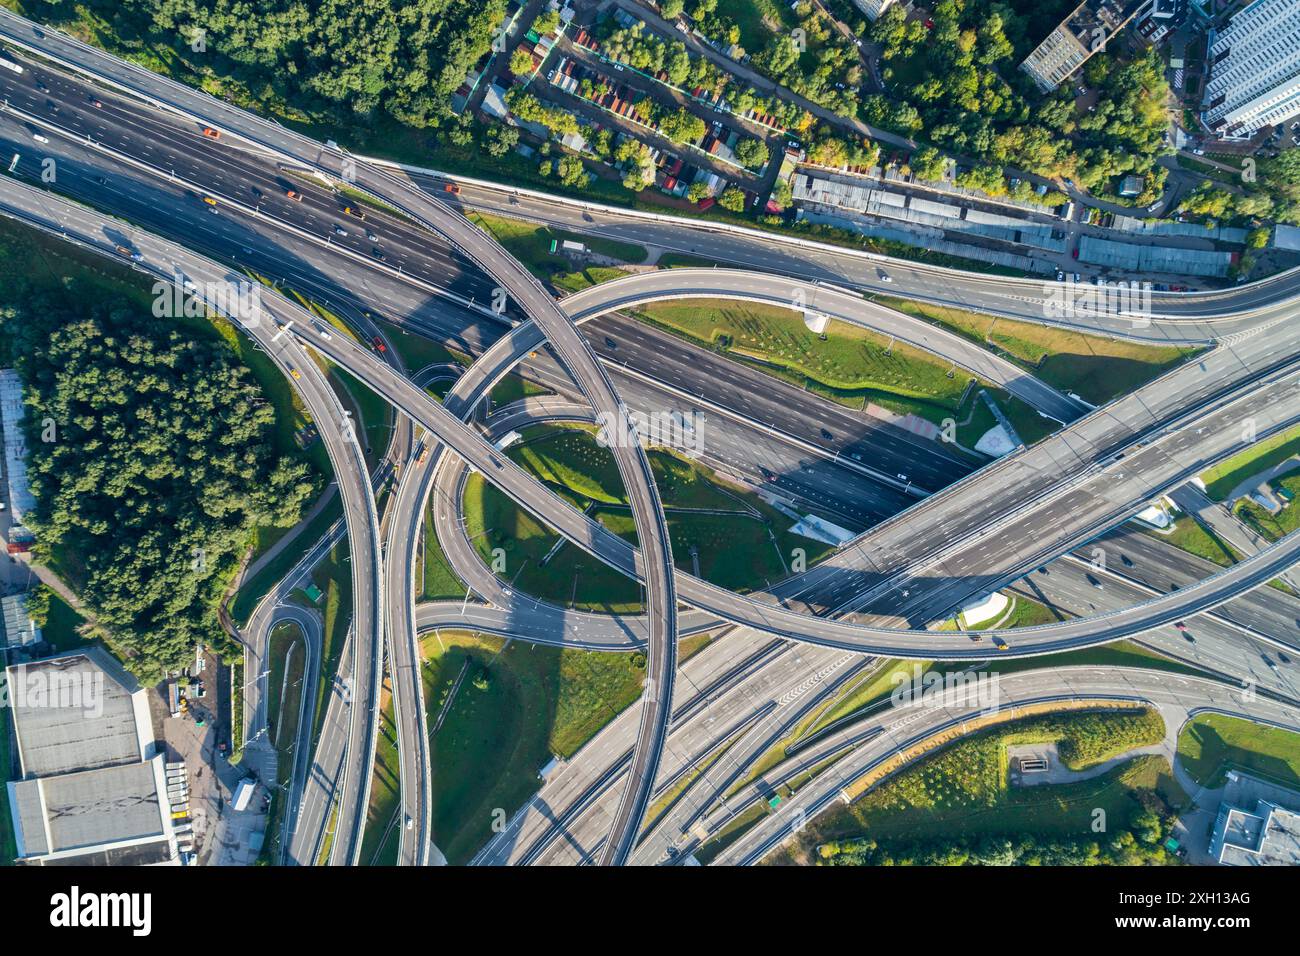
(92, 787)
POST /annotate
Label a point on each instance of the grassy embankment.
(739, 551)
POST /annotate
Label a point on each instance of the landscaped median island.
(287, 656)
(382, 840)
(847, 364)
(499, 711)
(538, 247)
(958, 806)
(1260, 484)
(1096, 368)
(738, 540)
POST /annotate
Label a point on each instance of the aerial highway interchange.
(938, 526)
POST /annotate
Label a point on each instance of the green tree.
(732, 198)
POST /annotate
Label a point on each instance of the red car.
(1074, 253)
(379, 344)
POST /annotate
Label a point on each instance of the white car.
(40, 138)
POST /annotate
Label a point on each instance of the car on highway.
(371, 236)
(1126, 560)
(767, 474)
(211, 133)
(209, 200)
(451, 188)
(1095, 583)
(340, 231)
(293, 194)
(379, 345)
(885, 276)
(322, 330)
(97, 104)
(377, 253)
(39, 138)
(294, 372)
(827, 435)
(409, 822)
(1000, 644)
(356, 211)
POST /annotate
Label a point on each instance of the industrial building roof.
(91, 810)
(76, 712)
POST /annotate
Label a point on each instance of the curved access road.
(813, 299)
(164, 260)
(897, 729)
(516, 282)
(1157, 453)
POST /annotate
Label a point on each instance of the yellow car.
(209, 200)
(294, 372)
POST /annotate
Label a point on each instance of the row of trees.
(970, 99)
(1272, 192)
(341, 60)
(1136, 845)
(152, 462)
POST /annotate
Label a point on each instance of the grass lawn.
(513, 388)
(416, 351)
(440, 580)
(964, 788)
(373, 415)
(1192, 538)
(255, 587)
(1274, 526)
(334, 577)
(1092, 366)
(1223, 477)
(736, 551)
(851, 366)
(758, 20)
(61, 624)
(850, 359)
(1212, 744)
(1118, 654)
(534, 702)
(586, 278)
(531, 244)
(288, 659)
(382, 837)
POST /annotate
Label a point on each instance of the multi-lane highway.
(1077, 484)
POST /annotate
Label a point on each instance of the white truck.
(243, 794)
